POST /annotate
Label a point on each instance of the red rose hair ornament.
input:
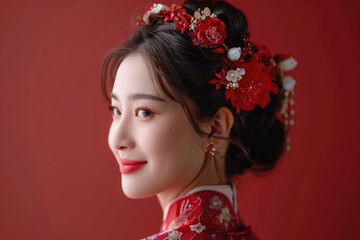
(248, 75)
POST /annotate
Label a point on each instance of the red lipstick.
(128, 166)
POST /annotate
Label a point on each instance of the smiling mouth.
(129, 166)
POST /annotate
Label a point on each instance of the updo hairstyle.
(183, 72)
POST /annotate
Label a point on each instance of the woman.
(194, 103)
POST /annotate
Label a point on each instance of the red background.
(59, 180)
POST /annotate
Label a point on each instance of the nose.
(120, 137)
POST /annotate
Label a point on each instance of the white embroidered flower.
(197, 228)
(215, 203)
(234, 53)
(154, 10)
(225, 216)
(174, 235)
(289, 83)
(287, 64)
(234, 76)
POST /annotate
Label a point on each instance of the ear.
(221, 124)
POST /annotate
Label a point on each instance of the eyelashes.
(113, 109)
(140, 112)
(143, 113)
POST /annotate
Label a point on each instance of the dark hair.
(183, 71)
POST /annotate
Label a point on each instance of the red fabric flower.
(211, 31)
(255, 86)
(263, 55)
(259, 67)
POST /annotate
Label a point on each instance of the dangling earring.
(211, 149)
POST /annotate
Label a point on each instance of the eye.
(143, 113)
(115, 111)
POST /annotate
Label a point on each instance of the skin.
(159, 132)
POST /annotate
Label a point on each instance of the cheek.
(173, 147)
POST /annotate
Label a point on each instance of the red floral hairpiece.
(247, 75)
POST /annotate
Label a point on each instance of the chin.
(135, 191)
(133, 194)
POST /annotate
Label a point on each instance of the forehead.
(134, 76)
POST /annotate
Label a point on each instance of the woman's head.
(180, 71)
(148, 126)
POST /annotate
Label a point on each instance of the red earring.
(211, 149)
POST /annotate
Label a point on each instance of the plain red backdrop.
(58, 178)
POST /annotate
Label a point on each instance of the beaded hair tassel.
(286, 113)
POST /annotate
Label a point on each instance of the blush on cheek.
(161, 138)
(174, 146)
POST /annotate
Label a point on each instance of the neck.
(208, 175)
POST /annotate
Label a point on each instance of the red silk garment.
(203, 214)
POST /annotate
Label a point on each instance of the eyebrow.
(137, 96)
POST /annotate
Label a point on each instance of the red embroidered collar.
(205, 212)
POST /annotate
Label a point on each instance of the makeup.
(128, 166)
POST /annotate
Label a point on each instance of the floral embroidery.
(177, 222)
(225, 216)
(174, 235)
(197, 228)
(185, 209)
(215, 203)
(209, 215)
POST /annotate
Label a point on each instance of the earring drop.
(211, 149)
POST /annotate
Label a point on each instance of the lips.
(129, 166)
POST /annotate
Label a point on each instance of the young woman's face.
(153, 141)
